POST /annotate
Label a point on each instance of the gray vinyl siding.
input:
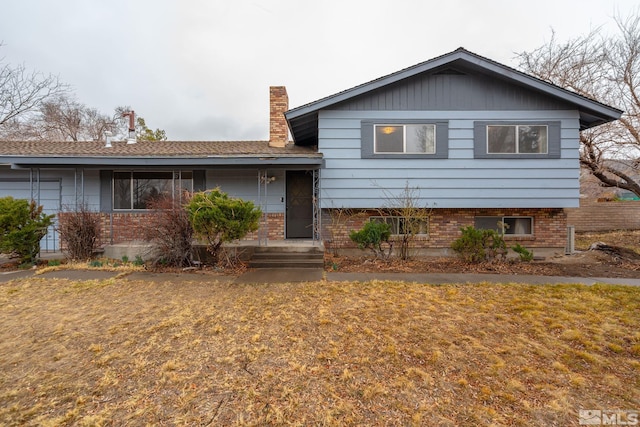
(243, 183)
(458, 181)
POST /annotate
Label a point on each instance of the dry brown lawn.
(120, 352)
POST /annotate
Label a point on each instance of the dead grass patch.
(377, 353)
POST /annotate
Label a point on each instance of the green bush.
(373, 236)
(218, 218)
(479, 245)
(525, 254)
(22, 226)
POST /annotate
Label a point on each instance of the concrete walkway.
(314, 275)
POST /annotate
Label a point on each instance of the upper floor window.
(134, 190)
(516, 140)
(519, 139)
(405, 138)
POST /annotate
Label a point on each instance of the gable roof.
(303, 120)
(153, 153)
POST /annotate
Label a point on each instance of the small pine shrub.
(525, 254)
(374, 236)
(217, 218)
(53, 263)
(22, 226)
(96, 263)
(125, 259)
(476, 245)
(138, 261)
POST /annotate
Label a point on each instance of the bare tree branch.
(23, 92)
(605, 68)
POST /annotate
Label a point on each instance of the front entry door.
(299, 204)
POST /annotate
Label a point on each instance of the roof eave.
(19, 162)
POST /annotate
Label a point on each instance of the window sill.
(521, 238)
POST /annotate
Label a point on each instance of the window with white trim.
(134, 190)
(400, 225)
(404, 138)
(506, 225)
(517, 139)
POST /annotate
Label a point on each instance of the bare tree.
(23, 92)
(411, 212)
(605, 68)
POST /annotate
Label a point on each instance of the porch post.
(317, 212)
(263, 231)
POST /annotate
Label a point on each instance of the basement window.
(134, 190)
(401, 225)
(506, 225)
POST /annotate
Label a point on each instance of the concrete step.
(287, 256)
(279, 258)
(286, 264)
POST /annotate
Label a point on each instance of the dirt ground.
(623, 261)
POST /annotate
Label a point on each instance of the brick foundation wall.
(595, 215)
(550, 227)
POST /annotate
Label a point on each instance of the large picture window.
(405, 138)
(525, 139)
(506, 225)
(134, 190)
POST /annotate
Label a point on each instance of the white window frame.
(502, 218)
(388, 219)
(517, 142)
(404, 138)
(176, 179)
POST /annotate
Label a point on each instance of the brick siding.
(128, 227)
(602, 215)
(550, 227)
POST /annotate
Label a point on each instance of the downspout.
(75, 187)
(82, 184)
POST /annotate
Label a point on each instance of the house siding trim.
(442, 139)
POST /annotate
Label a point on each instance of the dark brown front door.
(299, 204)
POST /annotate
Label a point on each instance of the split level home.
(479, 143)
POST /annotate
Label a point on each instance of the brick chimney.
(278, 104)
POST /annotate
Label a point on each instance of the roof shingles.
(151, 149)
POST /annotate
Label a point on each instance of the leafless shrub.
(79, 231)
(169, 231)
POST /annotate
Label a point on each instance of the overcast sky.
(201, 69)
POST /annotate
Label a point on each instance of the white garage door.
(48, 197)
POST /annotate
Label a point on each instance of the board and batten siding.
(458, 181)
